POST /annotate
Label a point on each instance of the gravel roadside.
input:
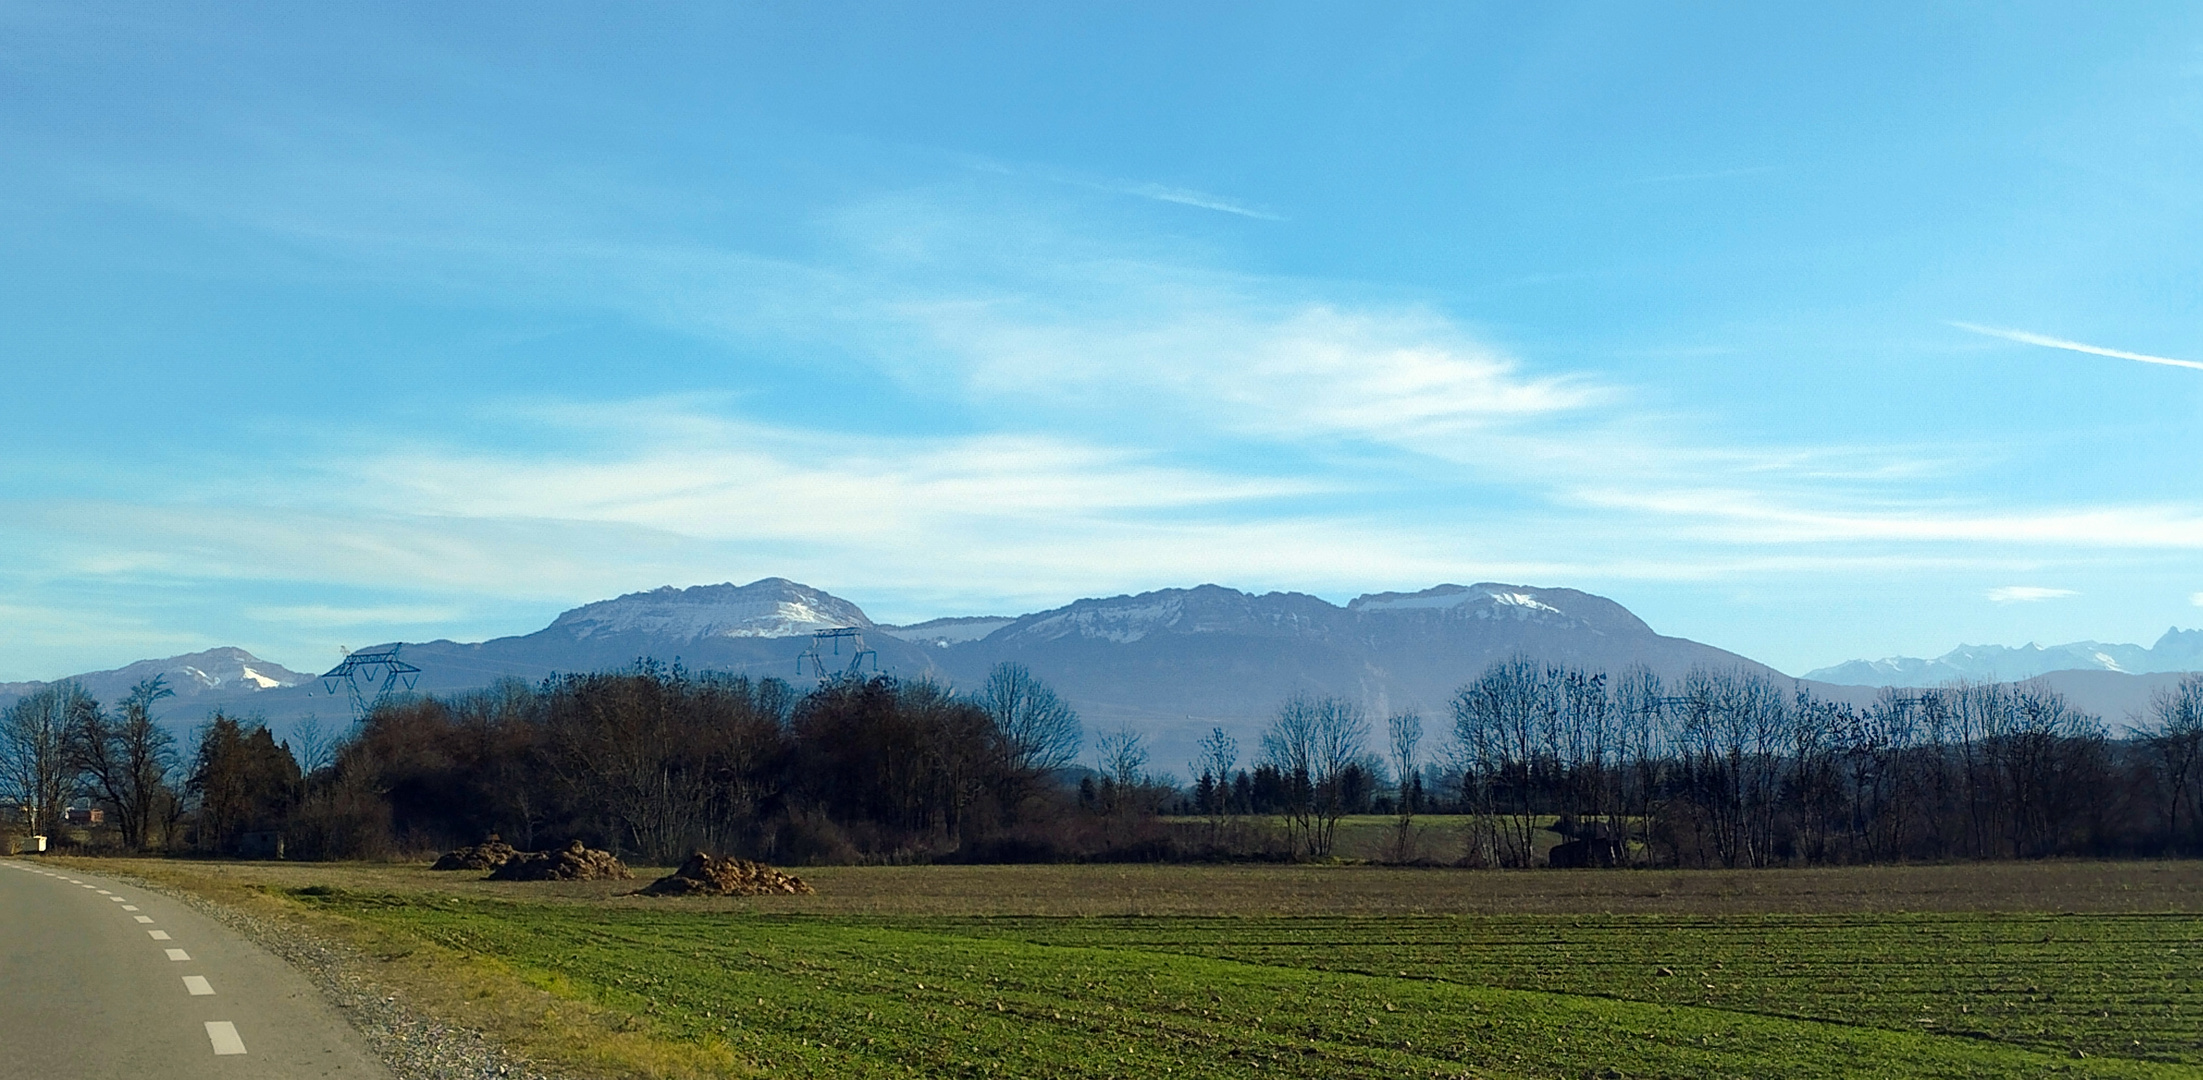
(411, 1043)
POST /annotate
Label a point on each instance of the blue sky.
(323, 327)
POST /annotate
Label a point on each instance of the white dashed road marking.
(104, 892)
(143, 918)
(178, 954)
(198, 986)
(223, 1035)
(116, 899)
(159, 935)
(130, 907)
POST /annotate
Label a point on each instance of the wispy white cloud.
(981, 561)
(1796, 516)
(2026, 338)
(1202, 200)
(2024, 594)
(50, 626)
(725, 479)
(1146, 190)
(2196, 599)
(330, 615)
(1229, 362)
(41, 641)
(1116, 402)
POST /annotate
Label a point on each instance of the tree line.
(1729, 768)
(59, 746)
(653, 761)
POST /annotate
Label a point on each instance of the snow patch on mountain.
(769, 608)
(1108, 620)
(1481, 601)
(264, 682)
(1204, 609)
(1443, 596)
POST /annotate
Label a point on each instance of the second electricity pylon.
(363, 667)
(813, 659)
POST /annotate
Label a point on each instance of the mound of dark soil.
(574, 862)
(487, 855)
(705, 875)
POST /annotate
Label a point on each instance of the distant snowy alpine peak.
(772, 607)
(2178, 650)
(1482, 601)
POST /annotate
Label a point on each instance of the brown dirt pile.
(487, 855)
(574, 862)
(704, 875)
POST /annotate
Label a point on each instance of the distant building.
(84, 815)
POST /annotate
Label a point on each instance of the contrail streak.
(2026, 338)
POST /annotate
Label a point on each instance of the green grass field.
(1861, 994)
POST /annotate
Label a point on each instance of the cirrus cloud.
(2026, 594)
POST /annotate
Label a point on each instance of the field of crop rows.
(2126, 985)
(1543, 996)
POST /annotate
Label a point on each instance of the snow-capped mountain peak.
(1120, 619)
(1481, 601)
(769, 608)
(211, 672)
(1204, 609)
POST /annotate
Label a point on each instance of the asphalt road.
(101, 981)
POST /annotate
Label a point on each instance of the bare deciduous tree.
(1404, 738)
(2175, 735)
(34, 752)
(1313, 743)
(1040, 733)
(1496, 727)
(1122, 754)
(128, 759)
(313, 744)
(1212, 768)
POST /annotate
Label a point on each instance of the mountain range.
(1170, 663)
(2177, 651)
